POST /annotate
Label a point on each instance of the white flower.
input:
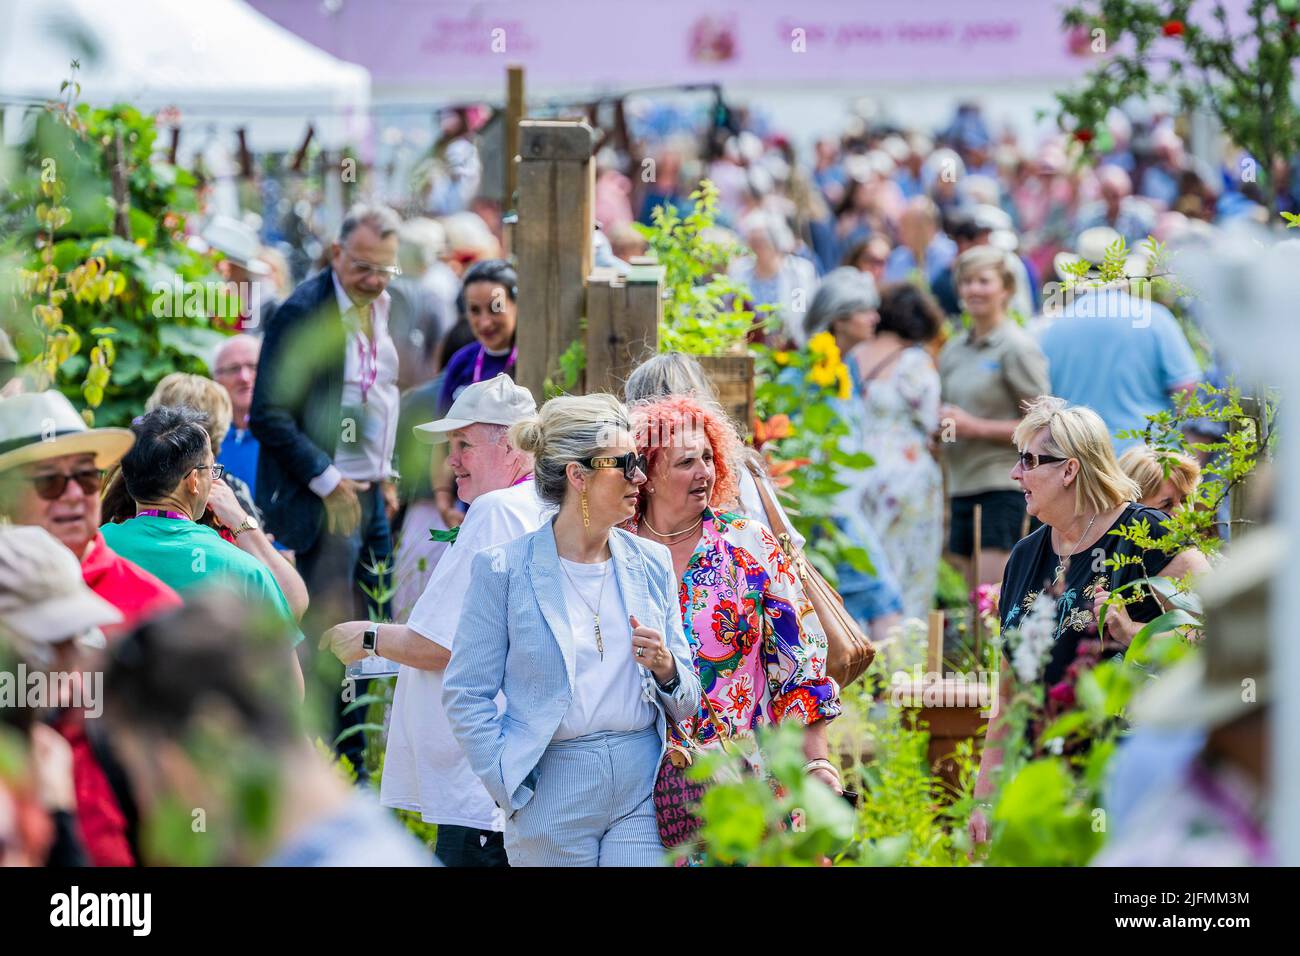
(1034, 639)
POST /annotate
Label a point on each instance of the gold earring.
(586, 516)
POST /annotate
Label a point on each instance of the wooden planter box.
(733, 378)
(948, 725)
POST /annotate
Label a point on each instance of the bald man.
(235, 369)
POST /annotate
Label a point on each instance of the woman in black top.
(1073, 484)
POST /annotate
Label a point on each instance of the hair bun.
(527, 436)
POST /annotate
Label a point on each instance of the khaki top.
(989, 378)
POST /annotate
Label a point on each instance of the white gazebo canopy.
(222, 64)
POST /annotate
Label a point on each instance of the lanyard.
(520, 480)
(478, 362)
(368, 359)
(160, 513)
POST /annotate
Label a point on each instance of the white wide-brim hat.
(237, 242)
(1091, 248)
(42, 425)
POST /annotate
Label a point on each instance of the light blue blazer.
(514, 636)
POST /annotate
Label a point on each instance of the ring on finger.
(640, 652)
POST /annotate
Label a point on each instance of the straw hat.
(41, 425)
(237, 242)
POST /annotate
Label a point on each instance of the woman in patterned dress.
(755, 640)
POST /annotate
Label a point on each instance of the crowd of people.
(580, 598)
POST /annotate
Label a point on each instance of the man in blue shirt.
(1122, 356)
(235, 369)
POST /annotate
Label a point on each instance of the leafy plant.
(704, 309)
(803, 436)
(94, 230)
(1159, 48)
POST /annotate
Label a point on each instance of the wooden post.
(623, 316)
(552, 243)
(973, 581)
(934, 644)
(514, 113)
(1240, 500)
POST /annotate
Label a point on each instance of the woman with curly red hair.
(756, 643)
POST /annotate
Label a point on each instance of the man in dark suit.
(325, 411)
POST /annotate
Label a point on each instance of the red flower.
(1173, 28)
(1083, 135)
(1062, 693)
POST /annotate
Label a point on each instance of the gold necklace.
(595, 611)
(671, 534)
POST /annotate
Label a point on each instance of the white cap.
(43, 598)
(498, 401)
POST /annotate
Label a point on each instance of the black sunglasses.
(631, 463)
(51, 487)
(1029, 460)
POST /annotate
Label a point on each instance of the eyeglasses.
(217, 470)
(51, 487)
(388, 272)
(631, 463)
(1029, 460)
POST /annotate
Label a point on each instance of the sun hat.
(497, 401)
(1091, 248)
(39, 425)
(43, 598)
(237, 242)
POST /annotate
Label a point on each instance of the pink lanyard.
(478, 362)
(368, 359)
(159, 513)
(521, 479)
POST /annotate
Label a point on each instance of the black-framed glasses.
(631, 463)
(1029, 460)
(217, 470)
(51, 487)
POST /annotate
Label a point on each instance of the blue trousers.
(592, 804)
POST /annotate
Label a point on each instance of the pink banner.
(622, 43)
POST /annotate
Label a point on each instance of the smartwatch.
(368, 640)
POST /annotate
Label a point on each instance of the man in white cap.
(53, 622)
(51, 471)
(425, 770)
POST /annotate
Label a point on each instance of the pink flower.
(1062, 693)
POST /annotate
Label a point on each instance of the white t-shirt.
(607, 693)
(425, 770)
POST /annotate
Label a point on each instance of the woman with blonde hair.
(1074, 485)
(988, 373)
(577, 625)
(1165, 479)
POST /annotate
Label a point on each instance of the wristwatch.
(248, 524)
(672, 685)
(368, 639)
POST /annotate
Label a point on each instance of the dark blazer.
(297, 411)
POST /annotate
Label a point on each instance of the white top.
(607, 693)
(425, 770)
(367, 455)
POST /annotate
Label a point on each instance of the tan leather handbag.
(848, 650)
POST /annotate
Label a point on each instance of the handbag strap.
(774, 517)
